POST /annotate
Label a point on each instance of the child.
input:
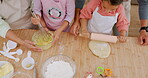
(54, 15)
(101, 16)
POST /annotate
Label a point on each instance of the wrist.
(122, 33)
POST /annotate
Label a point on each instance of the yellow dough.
(6, 69)
(101, 49)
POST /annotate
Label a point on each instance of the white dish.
(9, 74)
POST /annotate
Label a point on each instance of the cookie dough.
(101, 49)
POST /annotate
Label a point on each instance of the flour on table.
(59, 69)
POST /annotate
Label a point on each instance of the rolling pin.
(102, 37)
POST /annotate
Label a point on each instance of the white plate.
(9, 74)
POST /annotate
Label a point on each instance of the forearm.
(84, 24)
(63, 26)
(42, 22)
(77, 15)
(11, 36)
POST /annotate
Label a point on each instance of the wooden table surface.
(127, 60)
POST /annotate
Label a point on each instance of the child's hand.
(85, 34)
(75, 28)
(56, 36)
(35, 21)
(122, 39)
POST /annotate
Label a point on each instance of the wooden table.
(127, 60)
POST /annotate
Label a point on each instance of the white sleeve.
(4, 27)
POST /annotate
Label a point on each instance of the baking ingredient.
(101, 49)
(59, 69)
(28, 65)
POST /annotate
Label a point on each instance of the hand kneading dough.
(101, 49)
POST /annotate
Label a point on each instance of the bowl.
(6, 69)
(43, 39)
(59, 58)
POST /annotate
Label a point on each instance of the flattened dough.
(101, 49)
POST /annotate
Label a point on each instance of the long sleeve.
(37, 7)
(4, 27)
(70, 10)
(122, 23)
(79, 3)
(87, 11)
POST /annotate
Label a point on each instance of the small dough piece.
(101, 49)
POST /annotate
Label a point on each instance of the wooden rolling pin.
(105, 38)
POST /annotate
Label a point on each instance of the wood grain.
(127, 60)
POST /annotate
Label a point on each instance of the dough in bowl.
(101, 49)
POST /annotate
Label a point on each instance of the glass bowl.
(43, 39)
(59, 57)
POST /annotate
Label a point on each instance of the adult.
(143, 14)
(16, 14)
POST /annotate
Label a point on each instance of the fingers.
(35, 21)
(141, 40)
(72, 30)
(75, 29)
(46, 29)
(29, 42)
(145, 41)
(122, 39)
(55, 40)
(36, 49)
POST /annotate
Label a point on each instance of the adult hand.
(30, 45)
(143, 38)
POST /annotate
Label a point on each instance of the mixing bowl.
(59, 58)
(42, 39)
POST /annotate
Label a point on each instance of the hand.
(85, 34)
(56, 36)
(30, 45)
(35, 21)
(143, 38)
(122, 39)
(75, 28)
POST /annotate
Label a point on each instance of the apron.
(101, 24)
